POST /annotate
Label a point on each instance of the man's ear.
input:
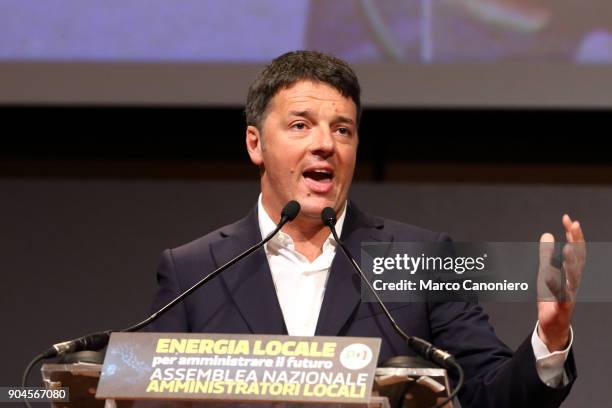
(254, 145)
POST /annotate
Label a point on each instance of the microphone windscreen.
(328, 216)
(291, 210)
(94, 341)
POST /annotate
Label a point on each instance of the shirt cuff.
(550, 366)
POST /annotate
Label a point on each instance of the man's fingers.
(573, 230)
(567, 224)
(574, 253)
(575, 236)
(556, 286)
(573, 264)
(561, 281)
(570, 257)
(576, 231)
(547, 275)
(547, 248)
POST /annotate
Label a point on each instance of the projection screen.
(526, 53)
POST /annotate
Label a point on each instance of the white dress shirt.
(550, 365)
(300, 286)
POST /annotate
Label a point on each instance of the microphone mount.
(422, 347)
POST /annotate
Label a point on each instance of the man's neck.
(308, 233)
(308, 237)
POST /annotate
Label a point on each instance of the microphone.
(288, 213)
(93, 342)
(97, 341)
(422, 347)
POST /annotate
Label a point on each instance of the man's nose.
(323, 143)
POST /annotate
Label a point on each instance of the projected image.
(415, 31)
(464, 30)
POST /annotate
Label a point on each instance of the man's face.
(307, 148)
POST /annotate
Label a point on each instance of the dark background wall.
(91, 196)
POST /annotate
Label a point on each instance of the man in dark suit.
(303, 113)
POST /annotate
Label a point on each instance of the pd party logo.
(356, 356)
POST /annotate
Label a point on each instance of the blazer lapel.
(249, 282)
(343, 290)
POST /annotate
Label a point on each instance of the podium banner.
(238, 367)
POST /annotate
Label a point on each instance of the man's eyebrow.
(343, 119)
(302, 113)
(308, 114)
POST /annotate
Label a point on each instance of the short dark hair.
(295, 66)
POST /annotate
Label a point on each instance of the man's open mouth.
(319, 180)
(319, 175)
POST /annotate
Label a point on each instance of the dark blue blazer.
(243, 300)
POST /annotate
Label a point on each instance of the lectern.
(394, 387)
(238, 370)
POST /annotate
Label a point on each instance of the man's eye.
(299, 126)
(344, 131)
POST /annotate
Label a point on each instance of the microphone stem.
(419, 345)
(398, 329)
(204, 280)
(100, 339)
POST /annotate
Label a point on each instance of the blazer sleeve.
(175, 320)
(494, 375)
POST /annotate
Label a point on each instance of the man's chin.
(312, 208)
